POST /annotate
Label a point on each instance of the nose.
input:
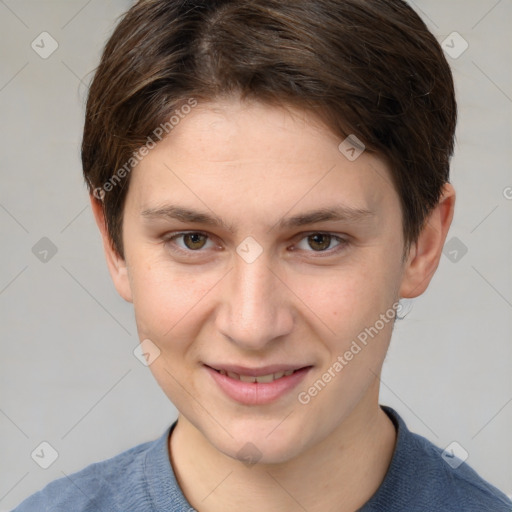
(256, 308)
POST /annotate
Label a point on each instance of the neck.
(339, 474)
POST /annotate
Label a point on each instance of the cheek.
(357, 307)
(167, 305)
(165, 299)
(349, 299)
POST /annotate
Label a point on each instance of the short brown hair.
(365, 67)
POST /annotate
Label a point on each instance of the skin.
(299, 302)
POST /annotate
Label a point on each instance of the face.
(237, 266)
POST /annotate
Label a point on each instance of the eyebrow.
(334, 213)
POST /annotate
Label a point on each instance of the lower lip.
(257, 393)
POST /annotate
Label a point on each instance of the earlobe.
(116, 265)
(425, 254)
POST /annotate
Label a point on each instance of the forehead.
(231, 130)
(261, 156)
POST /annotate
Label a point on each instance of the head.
(233, 122)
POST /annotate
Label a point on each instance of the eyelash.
(343, 242)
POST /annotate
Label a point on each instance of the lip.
(257, 393)
(256, 372)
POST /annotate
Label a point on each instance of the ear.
(424, 255)
(116, 265)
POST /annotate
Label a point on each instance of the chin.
(256, 445)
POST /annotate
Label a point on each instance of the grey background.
(68, 373)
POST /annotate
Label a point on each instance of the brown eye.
(319, 241)
(322, 244)
(194, 241)
(187, 243)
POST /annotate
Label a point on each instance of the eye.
(193, 241)
(321, 242)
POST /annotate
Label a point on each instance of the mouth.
(262, 374)
(262, 379)
(257, 386)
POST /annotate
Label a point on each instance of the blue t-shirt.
(141, 479)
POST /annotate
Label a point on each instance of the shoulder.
(423, 477)
(453, 484)
(112, 484)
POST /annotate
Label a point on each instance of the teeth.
(262, 379)
(266, 378)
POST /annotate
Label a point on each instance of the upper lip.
(257, 372)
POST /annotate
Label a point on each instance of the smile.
(257, 386)
(261, 379)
